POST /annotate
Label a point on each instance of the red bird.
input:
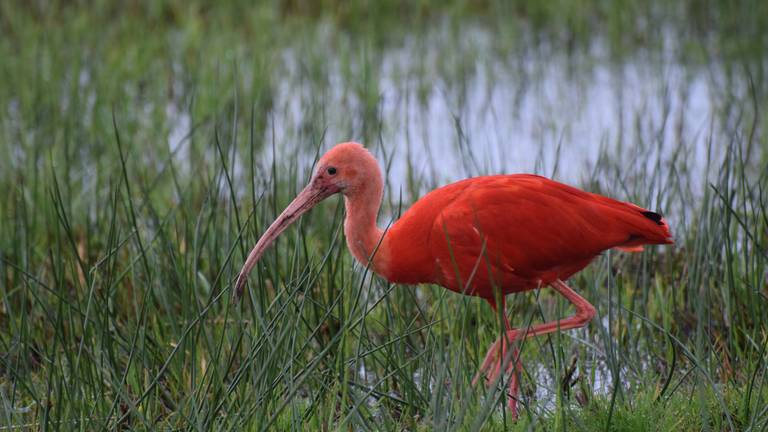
(483, 236)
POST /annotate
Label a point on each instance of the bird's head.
(347, 168)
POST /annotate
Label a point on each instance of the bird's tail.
(645, 227)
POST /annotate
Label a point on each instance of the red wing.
(530, 227)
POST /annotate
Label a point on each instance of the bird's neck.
(364, 238)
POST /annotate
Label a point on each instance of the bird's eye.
(331, 170)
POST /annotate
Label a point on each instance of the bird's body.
(484, 236)
(509, 232)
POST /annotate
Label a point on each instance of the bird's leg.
(493, 354)
(584, 314)
(496, 353)
(497, 356)
(515, 368)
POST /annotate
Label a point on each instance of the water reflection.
(540, 112)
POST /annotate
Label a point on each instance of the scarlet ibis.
(484, 236)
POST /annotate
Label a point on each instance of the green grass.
(118, 251)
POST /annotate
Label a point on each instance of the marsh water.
(437, 108)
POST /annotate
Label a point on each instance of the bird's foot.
(490, 367)
(495, 358)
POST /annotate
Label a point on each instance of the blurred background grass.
(146, 145)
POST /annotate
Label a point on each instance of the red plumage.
(512, 232)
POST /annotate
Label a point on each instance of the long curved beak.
(304, 201)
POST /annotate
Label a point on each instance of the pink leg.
(497, 357)
(494, 356)
(584, 314)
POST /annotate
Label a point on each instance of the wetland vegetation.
(144, 147)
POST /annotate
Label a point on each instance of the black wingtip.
(654, 217)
